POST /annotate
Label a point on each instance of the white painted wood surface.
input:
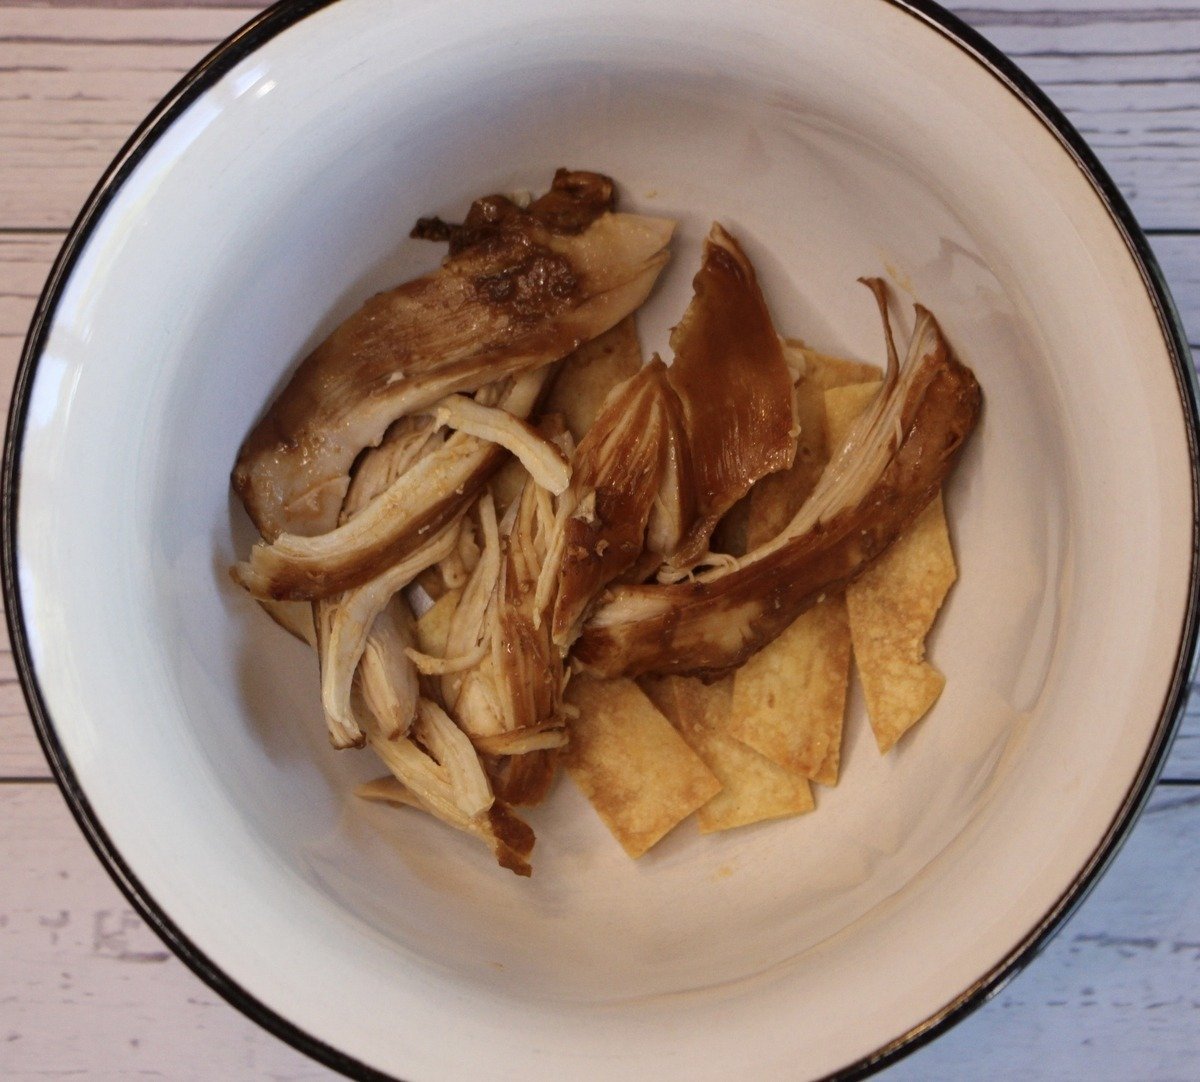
(87, 991)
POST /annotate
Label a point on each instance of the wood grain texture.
(87, 991)
(1116, 995)
(74, 82)
(1126, 75)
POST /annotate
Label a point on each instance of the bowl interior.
(834, 141)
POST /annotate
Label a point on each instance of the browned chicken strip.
(891, 466)
(734, 388)
(520, 289)
(617, 473)
(418, 501)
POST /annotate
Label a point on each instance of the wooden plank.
(1126, 76)
(1184, 761)
(1179, 257)
(86, 987)
(20, 754)
(85, 983)
(76, 81)
(24, 263)
(1116, 995)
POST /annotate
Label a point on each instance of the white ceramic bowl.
(268, 196)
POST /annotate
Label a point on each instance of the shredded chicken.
(545, 463)
(377, 469)
(384, 674)
(890, 467)
(520, 290)
(345, 622)
(470, 626)
(516, 688)
(433, 490)
(600, 529)
(440, 773)
(404, 444)
(390, 687)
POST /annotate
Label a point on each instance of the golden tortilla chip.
(589, 373)
(829, 372)
(789, 699)
(892, 605)
(433, 628)
(842, 406)
(754, 787)
(637, 771)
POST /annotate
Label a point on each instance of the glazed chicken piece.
(431, 489)
(891, 466)
(519, 290)
(617, 474)
(555, 558)
(737, 406)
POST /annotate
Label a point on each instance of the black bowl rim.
(252, 36)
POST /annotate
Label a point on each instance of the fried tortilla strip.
(892, 608)
(885, 474)
(754, 788)
(734, 387)
(789, 699)
(520, 290)
(827, 371)
(893, 604)
(587, 375)
(637, 771)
